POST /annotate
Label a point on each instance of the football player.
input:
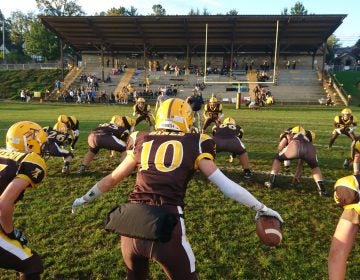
(165, 160)
(346, 195)
(73, 128)
(296, 145)
(111, 136)
(354, 160)
(212, 113)
(58, 137)
(284, 141)
(345, 124)
(22, 167)
(227, 137)
(142, 111)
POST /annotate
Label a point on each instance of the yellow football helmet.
(213, 99)
(140, 99)
(26, 136)
(229, 120)
(72, 119)
(63, 119)
(116, 119)
(174, 114)
(60, 127)
(346, 111)
(298, 129)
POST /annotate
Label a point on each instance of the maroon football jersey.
(119, 132)
(227, 130)
(227, 138)
(166, 162)
(213, 112)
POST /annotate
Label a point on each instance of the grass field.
(221, 232)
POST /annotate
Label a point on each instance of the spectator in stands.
(22, 95)
(160, 99)
(58, 84)
(288, 64)
(329, 101)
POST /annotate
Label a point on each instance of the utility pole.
(3, 47)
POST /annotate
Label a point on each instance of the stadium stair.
(125, 80)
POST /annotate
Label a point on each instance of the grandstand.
(296, 87)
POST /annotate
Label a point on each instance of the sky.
(348, 32)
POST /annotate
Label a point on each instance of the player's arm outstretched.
(107, 183)
(235, 191)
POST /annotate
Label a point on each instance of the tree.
(20, 24)
(194, 13)
(332, 44)
(356, 50)
(41, 42)
(298, 9)
(121, 11)
(132, 11)
(59, 7)
(206, 12)
(232, 13)
(158, 10)
(284, 12)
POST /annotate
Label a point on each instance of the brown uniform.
(343, 126)
(31, 168)
(74, 127)
(299, 147)
(228, 139)
(142, 114)
(212, 114)
(108, 136)
(55, 141)
(166, 162)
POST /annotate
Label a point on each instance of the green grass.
(351, 82)
(221, 232)
(12, 82)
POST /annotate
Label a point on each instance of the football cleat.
(346, 164)
(323, 193)
(82, 169)
(65, 169)
(247, 174)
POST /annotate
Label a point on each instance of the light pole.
(3, 46)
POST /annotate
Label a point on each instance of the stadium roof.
(177, 34)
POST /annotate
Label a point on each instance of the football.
(269, 230)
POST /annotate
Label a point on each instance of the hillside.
(13, 81)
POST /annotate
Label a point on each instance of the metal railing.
(334, 68)
(28, 66)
